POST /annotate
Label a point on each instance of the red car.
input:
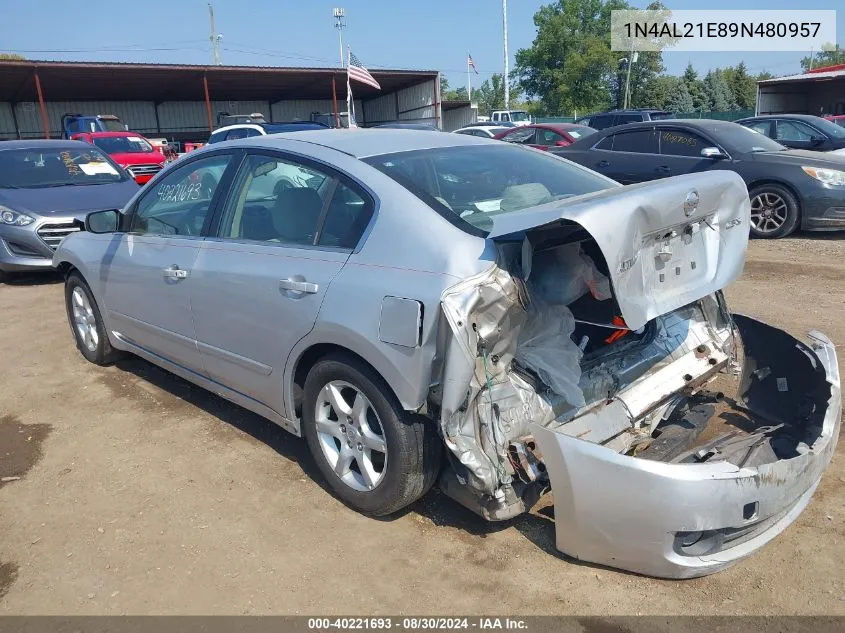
(839, 119)
(130, 150)
(546, 135)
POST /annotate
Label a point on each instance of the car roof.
(768, 117)
(260, 125)
(107, 134)
(43, 144)
(712, 125)
(364, 142)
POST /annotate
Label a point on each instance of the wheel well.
(65, 268)
(311, 357)
(788, 187)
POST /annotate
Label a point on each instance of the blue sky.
(429, 34)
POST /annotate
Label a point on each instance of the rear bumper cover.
(630, 513)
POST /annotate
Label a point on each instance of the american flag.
(355, 69)
(471, 63)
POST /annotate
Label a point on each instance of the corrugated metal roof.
(830, 74)
(104, 81)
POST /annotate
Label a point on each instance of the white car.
(245, 130)
(482, 131)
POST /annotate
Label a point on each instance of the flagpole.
(469, 86)
(350, 102)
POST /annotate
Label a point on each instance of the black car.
(798, 131)
(602, 120)
(788, 187)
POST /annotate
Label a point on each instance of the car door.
(632, 156)
(148, 272)
(284, 233)
(680, 152)
(632, 162)
(796, 135)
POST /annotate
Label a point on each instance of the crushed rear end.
(598, 359)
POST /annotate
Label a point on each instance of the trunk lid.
(667, 243)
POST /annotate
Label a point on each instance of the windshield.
(829, 128)
(36, 168)
(743, 140)
(519, 115)
(122, 144)
(111, 125)
(474, 183)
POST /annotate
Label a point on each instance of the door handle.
(174, 272)
(298, 286)
(602, 163)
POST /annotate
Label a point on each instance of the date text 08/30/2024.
(416, 623)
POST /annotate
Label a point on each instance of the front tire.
(86, 322)
(774, 211)
(375, 456)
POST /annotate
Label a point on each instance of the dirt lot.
(142, 494)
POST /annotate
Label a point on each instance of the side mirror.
(107, 221)
(714, 153)
(816, 141)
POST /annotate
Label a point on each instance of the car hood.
(831, 160)
(138, 158)
(667, 243)
(75, 200)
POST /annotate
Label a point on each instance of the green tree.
(660, 90)
(12, 56)
(828, 56)
(447, 94)
(680, 100)
(570, 65)
(491, 95)
(695, 87)
(743, 86)
(718, 92)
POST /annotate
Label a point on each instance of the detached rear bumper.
(675, 520)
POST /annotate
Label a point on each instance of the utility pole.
(505, 42)
(214, 37)
(631, 59)
(339, 14)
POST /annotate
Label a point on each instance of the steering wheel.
(189, 219)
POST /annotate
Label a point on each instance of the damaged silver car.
(437, 307)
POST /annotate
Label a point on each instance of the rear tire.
(375, 456)
(775, 212)
(86, 322)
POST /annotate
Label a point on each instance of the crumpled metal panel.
(486, 314)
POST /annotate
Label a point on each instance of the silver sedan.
(437, 307)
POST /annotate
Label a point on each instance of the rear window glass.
(661, 116)
(470, 184)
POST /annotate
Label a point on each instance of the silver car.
(437, 307)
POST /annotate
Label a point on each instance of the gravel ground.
(139, 493)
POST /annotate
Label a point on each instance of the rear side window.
(763, 127)
(520, 136)
(681, 143)
(217, 137)
(602, 121)
(605, 143)
(661, 116)
(628, 118)
(638, 141)
(286, 202)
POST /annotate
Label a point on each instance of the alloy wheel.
(84, 319)
(769, 212)
(351, 436)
